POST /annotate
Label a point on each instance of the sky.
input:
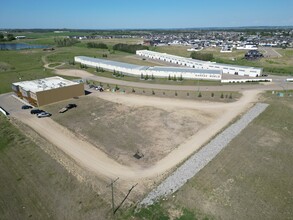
(148, 14)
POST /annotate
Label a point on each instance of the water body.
(21, 46)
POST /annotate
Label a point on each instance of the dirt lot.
(102, 163)
(252, 177)
(121, 130)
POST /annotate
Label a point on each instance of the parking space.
(11, 104)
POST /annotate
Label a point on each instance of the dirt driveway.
(97, 161)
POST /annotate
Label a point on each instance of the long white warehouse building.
(157, 71)
(199, 64)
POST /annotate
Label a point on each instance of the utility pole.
(112, 189)
(129, 191)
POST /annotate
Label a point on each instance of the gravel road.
(200, 159)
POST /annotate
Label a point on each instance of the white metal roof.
(154, 68)
(111, 62)
(44, 84)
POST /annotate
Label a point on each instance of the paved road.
(277, 84)
(270, 52)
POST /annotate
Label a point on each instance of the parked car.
(36, 111)
(62, 110)
(43, 114)
(26, 107)
(69, 106)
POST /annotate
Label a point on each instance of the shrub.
(97, 45)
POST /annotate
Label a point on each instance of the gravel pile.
(200, 159)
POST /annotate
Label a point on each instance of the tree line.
(9, 37)
(202, 56)
(129, 48)
(96, 45)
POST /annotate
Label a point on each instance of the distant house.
(20, 37)
(247, 47)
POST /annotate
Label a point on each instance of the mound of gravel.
(200, 159)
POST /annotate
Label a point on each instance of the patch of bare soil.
(121, 130)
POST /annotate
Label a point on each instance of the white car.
(43, 115)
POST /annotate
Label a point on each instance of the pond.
(21, 46)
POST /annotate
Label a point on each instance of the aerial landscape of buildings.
(146, 110)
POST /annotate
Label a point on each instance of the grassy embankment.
(34, 186)
(251, 178)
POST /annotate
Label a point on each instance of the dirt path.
(97, 161)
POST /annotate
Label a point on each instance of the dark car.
(69, 106)
(36, 111)
(26, 107)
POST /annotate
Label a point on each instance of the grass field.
(251, 178)
(34, 186)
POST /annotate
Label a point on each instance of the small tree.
(230, 96)
(176, 93)
(222, 96)
(116, 87)
(174, 78)
(169, 78)
(133, 90)
(146, 77)
(212, 94)
(153, 92)
(180, 78)
(141, 76)
(153, 77)
(199, 95)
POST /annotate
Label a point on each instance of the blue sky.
(123, 14)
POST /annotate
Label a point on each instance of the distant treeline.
(97, 45)
(129, 48)
(65, 42)
(202, 56)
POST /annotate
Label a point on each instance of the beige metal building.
(48, 90)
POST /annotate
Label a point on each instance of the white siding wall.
(242, 71)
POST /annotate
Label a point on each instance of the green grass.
(24, 65)
(54, 64)
(34, 186)
(251, 178)
(155, 212)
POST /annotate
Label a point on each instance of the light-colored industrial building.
(48, 90)
(199, 64)
(156, 71)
